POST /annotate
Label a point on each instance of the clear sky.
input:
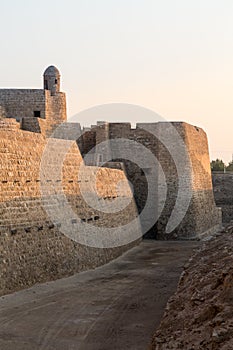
(172, 56)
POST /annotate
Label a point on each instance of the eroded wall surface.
(182, 171)
(33, 247)
(21, 103)
(223, 193)
(203, 217)
(36, 109)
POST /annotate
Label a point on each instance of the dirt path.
(117, 306)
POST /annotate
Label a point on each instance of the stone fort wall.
(35, 190)
(33, 106)
(201, 217)
(32, 247)
(21, 103)
(223, 193)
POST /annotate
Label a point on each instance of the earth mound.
(200, 314)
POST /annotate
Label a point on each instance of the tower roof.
(52, 71)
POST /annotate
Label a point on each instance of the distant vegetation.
(2, 113)
(219, 165)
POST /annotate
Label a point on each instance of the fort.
(33, 247)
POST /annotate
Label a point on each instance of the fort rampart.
(182, 152)
(55, 193)
(32, 247)
(223, 193)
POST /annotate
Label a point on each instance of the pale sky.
(172, 56)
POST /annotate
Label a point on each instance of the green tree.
(217, 165)
(230, 166)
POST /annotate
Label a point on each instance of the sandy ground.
(200, 315)
(117, 306)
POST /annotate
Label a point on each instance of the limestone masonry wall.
(21, 103)
(32, 247)
(59, 216)
(55, 110)
(223, 193)
(186, 170)
(202, 211)
(33, 106)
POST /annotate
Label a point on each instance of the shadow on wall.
(223, 194)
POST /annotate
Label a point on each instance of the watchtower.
(52, 79)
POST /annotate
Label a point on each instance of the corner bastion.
(182, 152)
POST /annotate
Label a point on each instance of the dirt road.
(117, 306)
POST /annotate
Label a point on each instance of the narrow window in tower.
(37, 114)
(46, 85)
(55, 81)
